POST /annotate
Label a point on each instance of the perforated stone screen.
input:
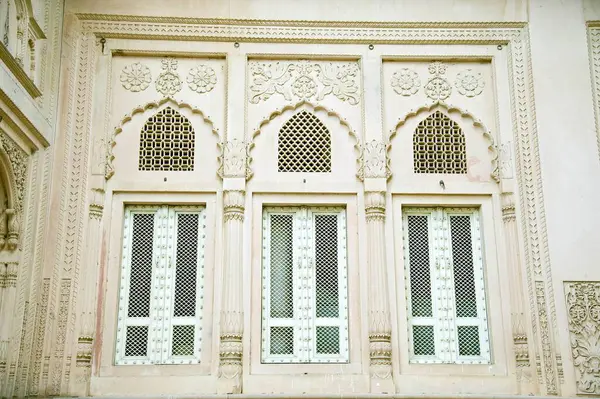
(167, 143)
(304, 145)
(439, 146)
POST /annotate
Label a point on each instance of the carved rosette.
(373, 160)
(202, 79)
(583, 311)
(304, 80)
(168, 82)
(437, 87)
(136, 77)
(406, 82)
(469, 83)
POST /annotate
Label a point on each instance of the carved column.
(380, 346)
(232, 316)
(8, 293)
(517, 295)
(88, 295)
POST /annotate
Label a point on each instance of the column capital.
(233, 205)
(375, 205)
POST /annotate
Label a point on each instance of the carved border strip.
(523, 107)
(594, 49)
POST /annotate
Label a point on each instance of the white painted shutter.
(304, 285)
(446, 294)
(160, 300)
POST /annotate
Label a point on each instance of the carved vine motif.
(168, 82)
(18, 161)
(202, 79)
(406, 82)
(469, 83)
(136, 77)
(304, 80)
(583, 309)
(437, 87)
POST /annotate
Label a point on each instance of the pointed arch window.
(439, 146)
(304, 145)
(167, 143)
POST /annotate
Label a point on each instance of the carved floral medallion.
(583, 311)
(304, 80)
(202, 79)
(469, 83)
(168, 82)
(437, 87)
(136, 77)
(406, 82)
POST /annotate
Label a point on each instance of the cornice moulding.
(19, 123)
(18, 72)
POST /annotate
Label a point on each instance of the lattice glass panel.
(282, 266)
(183, 341)
(186, 268)
(136, 341)
(462, 259)
(167, 143)
(468, 341)
(282, 341)
(420, 278)
(140, 280)
(439, 146)
(304, 145)
(326, 267)
(328, 340)
(423, 340)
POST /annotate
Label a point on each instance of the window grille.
(304, 310)
(160, 303)
(304, 145)
(167, 143)
(439, 146)
(447, 315)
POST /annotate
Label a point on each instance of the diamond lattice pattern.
(304, 145)
(167, 143)
(304, 318)
(162, 274)
(439, 146)
(447, 318)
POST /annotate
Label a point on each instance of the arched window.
(167, 143)
(304, 145)
(439, 146)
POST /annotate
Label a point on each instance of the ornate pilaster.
(524, 371)
(380, 346)
(232, 320)
(8, 296)
(87, 316)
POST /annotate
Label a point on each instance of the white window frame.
(161, 320)
(444, 317)
(305, 323)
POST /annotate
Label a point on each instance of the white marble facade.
(203, 198)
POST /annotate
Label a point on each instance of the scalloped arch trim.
(463, 113)
(140, 109)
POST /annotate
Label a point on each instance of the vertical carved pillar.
(380, 346)
(12, 238)
(517, 295)
(232, 320)
(3, 228)
(8, 294)
(88, 295)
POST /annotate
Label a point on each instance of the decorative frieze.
(304, 80)
(583, 311)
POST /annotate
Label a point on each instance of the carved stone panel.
(583, 311)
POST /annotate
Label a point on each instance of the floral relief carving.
(136, 77)
(437, 87)
(202, 79)
(373, 160)
(234, 159)
(406, 82)
(168, 82)
(304, 80)
(469, 83)
(583, 310)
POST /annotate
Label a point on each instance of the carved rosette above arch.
(492, 147)
(312, 107)
(140, 109)
(13, 175)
